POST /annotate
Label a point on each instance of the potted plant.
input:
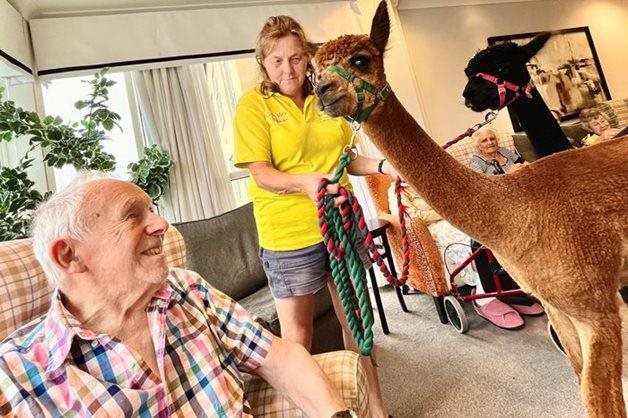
(152, 172)
(78, 144)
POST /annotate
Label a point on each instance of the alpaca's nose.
(322, 87)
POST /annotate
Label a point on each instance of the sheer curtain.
(177, 115)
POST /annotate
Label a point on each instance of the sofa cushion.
(262, 306)
(24, 290)
(224, 251)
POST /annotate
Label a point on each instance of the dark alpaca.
(507, 62)
(570, 245)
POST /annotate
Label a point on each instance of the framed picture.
(566, 71)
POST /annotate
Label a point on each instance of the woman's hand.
(517, 167)
(609, 133)
(309, 185)
(387, 168)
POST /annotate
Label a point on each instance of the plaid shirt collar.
(60, 326)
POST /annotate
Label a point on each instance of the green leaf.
(107, 124)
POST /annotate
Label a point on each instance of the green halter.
(360, 87)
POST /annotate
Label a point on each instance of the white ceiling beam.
(426, 4)
(37, 9)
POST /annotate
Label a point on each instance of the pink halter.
(502, 85)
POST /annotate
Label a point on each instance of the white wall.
(441, 41)
(396, 59)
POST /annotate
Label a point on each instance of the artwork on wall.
(566, 71)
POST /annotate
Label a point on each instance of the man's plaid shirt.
(203, 341)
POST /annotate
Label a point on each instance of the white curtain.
(177, 115)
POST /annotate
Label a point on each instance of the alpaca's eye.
(360, 62)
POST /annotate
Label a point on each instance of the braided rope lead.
(342, 229)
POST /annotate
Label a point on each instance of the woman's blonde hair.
(588, 114)
(275, 28)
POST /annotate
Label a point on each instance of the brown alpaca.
(571, 210)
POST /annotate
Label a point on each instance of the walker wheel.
(455, 314)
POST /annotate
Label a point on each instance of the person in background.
(289, 145)
(126, 336)
(504, 312)
(596, 122)
(490, 158)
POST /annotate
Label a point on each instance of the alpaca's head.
(360, 56)
(506, 61)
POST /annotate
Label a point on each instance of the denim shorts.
(297, 272)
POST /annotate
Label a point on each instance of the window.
(59, 98)
(227, 80)
(20, 88)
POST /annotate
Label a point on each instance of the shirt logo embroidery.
(278, 117)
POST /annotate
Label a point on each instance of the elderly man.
(127, 336)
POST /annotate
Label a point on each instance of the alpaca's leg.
(568, 336)
(601, 379)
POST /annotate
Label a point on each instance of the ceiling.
(32, 9)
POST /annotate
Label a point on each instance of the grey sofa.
(224, 250)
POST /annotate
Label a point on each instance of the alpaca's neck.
(468, 200)
(540, 126)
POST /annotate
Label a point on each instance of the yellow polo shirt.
(273, 129)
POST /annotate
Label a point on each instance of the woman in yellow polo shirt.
(288, 145)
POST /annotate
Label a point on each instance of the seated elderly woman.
(490, 158)
(598, 125)
(126, 336)
(503, 312)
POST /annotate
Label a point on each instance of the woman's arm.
(269, 178)
(362, 166)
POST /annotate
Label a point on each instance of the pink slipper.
(500, 314)
(533, 310)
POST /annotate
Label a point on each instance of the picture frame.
(566, 71)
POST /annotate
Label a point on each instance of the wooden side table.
(378, 229)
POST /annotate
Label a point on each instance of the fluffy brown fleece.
(558, 225)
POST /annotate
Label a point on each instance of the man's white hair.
(60, 216)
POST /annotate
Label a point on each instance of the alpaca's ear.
(532, 47)
(380, 28)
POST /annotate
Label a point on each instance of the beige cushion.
(24, 289)
(344, 370)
